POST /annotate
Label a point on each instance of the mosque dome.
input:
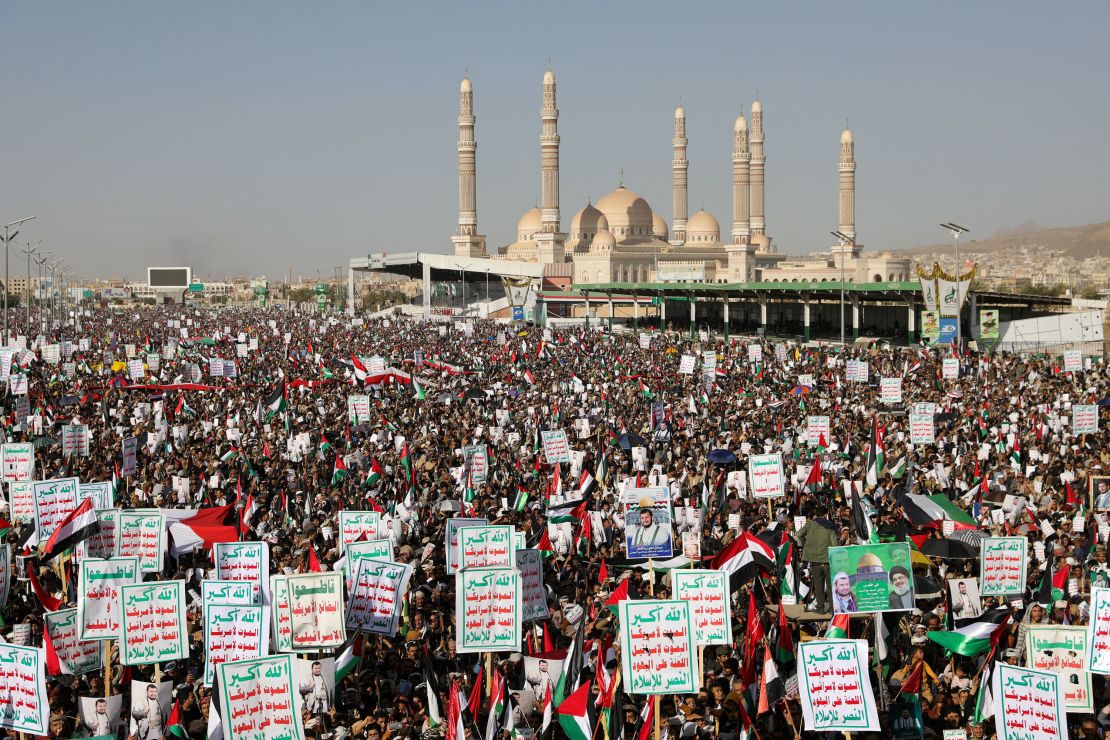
(628, 214)
(587, 222)
(528, 224)
(603, 241)
(659, 227)
(703, 227)
(846, 137)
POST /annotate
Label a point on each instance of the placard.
(142, 535)
(358, 408)
(707, 591)
(871, 578)
(648, 523)
(102, 542)
(890, 390)
(817, 429)
(244, 561)
(765, 476)
(55, 499)
(477, 462)
(17, 461)
(555, 446)
(232, 593)
(856, 371)
(488, 610)
(657, 647)
(154, 626)
(1003, 566)
(75, 440)
(100, 493)
(231, 632)
(1098, 632)
(1063, 651)
(835, 688)
(950, 368)
(21, 501)
(75, 656)
(686, 365)
(377, 597)
(451, 537)
(130, 450)
(530, 565)
(24, 705)
(1084, 418)
(316, 608)
(355, 525)
(921, 429)
(99, 589)
(485, 546)
(1029, 703)
(755, 354)
(281, 621)
(257, 699)
(1073, 360)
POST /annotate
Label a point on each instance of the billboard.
(176, 278)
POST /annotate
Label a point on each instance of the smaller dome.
(703, 227)
(604, 240)
(548, 77)
(846, 137)
(869, 560)
(465, 86)
(528, 224)
(659, 227)
(757, 107)
(587, 222)
(741, 123)
(680, 112)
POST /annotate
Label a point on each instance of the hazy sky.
(254, 137)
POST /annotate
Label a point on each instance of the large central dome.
(628, 214)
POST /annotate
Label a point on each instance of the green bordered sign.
(154, 628)
(657, 647)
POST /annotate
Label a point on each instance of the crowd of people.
(1004, 462)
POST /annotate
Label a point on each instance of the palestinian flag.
(784, 644)
(406, 463)
(78, 525)
(375, 475)
(325, 443)
(349, 657)
(861, 520)
(418, 389)
(645, 390)
(229, 455)
(570, 682)
(603, 468)
(275, 402)
(544, 545)
(499, 710)
(521, 499)
(339, 472)
(455, 729)
(175, 723)
(619, 594)
(115, 483)
(744, 557)
(788, 582)
(1015, 454)
(571, 511)
(838, 627)
(573, 714)
(876, 454)
(975, 638)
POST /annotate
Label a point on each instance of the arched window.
(877, 279)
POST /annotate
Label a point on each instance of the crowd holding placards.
(258, 524)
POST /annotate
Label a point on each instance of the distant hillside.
(1077, 242)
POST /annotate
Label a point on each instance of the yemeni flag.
(771, 686)
(838, 627)
(573, 714)
(275, 402)
(375, 475)
(744, 557)
(876, 454)
(175, 723)
(647, 720)
(455, 729)
(975, 638)
(586, 484)
(361, 374)
(339, 472)
(78, 525)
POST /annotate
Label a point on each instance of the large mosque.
(622, 239)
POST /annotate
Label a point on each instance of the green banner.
(871, 578)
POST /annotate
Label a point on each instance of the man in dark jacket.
(815, 539)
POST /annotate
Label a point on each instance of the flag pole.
(107, 668)
(655, 713)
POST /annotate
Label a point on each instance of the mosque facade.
(621, 239)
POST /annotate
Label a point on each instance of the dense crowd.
(1004, 460)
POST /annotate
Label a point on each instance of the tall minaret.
(759, 227)
(679, 167)
(550, 241)
(741, 183)
(847, 185)
(468, 242)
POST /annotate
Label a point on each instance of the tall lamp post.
(957, 231)
(28, 250)
(843, 241)
(8, 236)
(54, 289)
(41, 262)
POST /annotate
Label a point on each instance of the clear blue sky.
(258, 136)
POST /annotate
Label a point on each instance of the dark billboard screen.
(168, 277)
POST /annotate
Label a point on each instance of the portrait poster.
(100, 716)
(871, 578)
(964, 599)
(647, 523)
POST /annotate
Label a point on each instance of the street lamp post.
(53, 289)
(843, 241)
(7, 243)
(956, 231)
(41, 262)
(29, 250)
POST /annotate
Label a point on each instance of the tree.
(301, 295)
